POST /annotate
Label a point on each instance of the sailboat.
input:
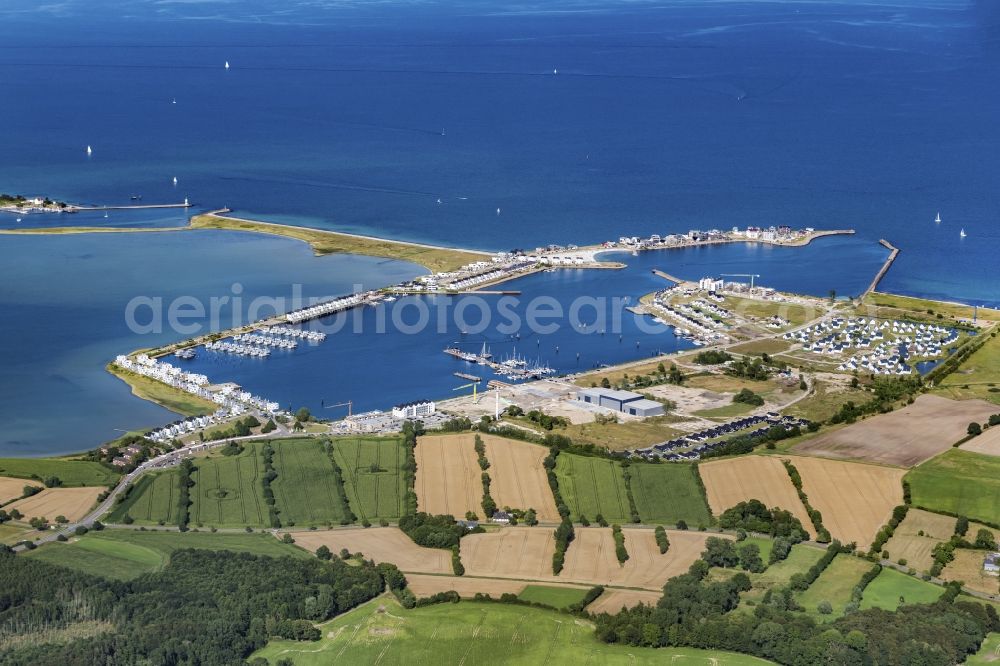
(227, 64)
(175, 180)
(938, 218)
(961, 233)
(498, 212)
(90, 151)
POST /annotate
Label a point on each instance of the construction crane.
(475, 390)
(749, 275)
(349, 404)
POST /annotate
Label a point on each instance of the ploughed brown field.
(382, 544)
(988, 443)
(449, 480)
(512, 552)
(734, 480)
(11, 487)
(591, 557)
(856, 500)
(73, 503)
(905, 437)
(423, 585)
(612, 601)
(517, 477)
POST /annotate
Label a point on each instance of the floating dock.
(466, 376)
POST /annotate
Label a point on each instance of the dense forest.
(202, 608)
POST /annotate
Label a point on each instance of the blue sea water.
(65, 299)
(581, 121)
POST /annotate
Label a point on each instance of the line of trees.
(184, 484)
(620, 551)
(489, 506)
(884, 534)
(564, 533)
(822, 534)
(338, 483)
(662, 542)
(270, 474)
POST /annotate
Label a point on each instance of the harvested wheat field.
(968, 567)
(591, 557)
(856, 500)
(423, 585)
(449, 480)
(517, 478)
(73, 503)
(988, 443)
(11, 488)
(512, 552)
(905, 437)
(382, 544)
(729, 482)
(908, 544)
(612, 601)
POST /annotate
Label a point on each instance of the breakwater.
(893, 253)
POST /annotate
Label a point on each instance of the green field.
(887, 588)
(306, 489)
(989, 653)
(834, 585)
(382, 632)
(592, 486)
(372, 494)
(977, 377)
(71, 472)
(228, 490)
(958, 482)
(557, 597)
(126, 554)
(725, 412)
(153, 498)
(667, 493)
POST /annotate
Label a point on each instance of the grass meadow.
(382, 632)
(71, 472)
(667, 493)
(557, 597)
(892, 588)
(127, 554)
(960, 483)
(592, 486)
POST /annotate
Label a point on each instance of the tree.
(985, 539)
(961, 526)
(530, 518)
(514, 410)
(605, 383)
(824, 607)
(302, 415)
(974, 429)
(52, 481)
(323, 553)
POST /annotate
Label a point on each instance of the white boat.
(174, 101)
(227, 64)
(90, 151)
(961, 233)
(498, 212)
(175, 180)
(555, 71)
(938, 218)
